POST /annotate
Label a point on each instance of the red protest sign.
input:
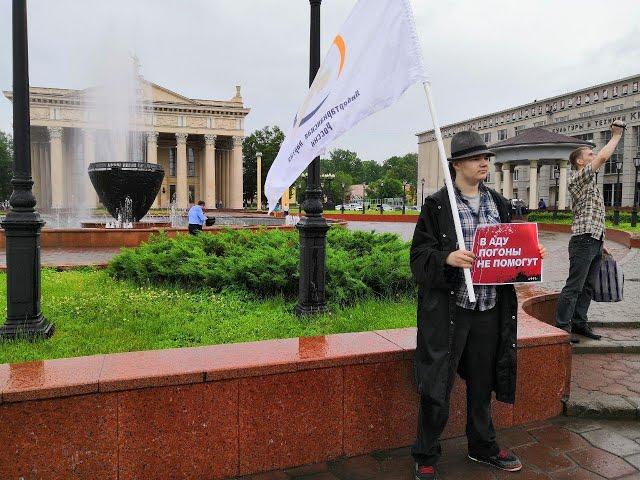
(506, 253)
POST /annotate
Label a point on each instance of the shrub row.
(265, 262)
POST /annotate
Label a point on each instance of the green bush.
(265, 262)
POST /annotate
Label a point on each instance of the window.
(564, 118)
(488, 179)
(625, 88)
(605, 93)
(539, 124)
(635, 87)
(192, 193)
(526, 113)
(586, 98)
(520, 128)
(595, 96)
(570, 102)
(613, 108)
(540, 110)
(502, 134)
(562, 104)
(172, 193)
(486, 137)
(513, 116)
(578, 99)
(584, 136)
(615, 91)
(610, 165)
(587, 114)
(172, 162)
(553, 168)
(516, 175)
(607, 191)
(555, 106)
(191, 162)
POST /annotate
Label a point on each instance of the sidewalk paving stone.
(612, 441)
(602, 463)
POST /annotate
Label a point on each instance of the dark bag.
(210, 221)
(609, 281)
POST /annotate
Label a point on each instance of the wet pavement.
(560, 449)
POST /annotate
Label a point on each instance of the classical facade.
(584, 114)
(197, 142)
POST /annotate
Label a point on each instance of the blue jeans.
(585, 253)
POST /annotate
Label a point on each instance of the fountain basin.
(117, 182)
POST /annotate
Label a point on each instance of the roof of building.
(539, 136)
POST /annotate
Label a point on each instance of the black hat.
(468, 144)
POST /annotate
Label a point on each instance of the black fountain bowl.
(115, 181)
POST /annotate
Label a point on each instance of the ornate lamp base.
(27, 329)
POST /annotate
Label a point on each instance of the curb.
(602, 405)
(601, 347)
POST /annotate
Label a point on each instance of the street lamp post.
(23, 223)
(342, 206)
(381, 209)
(404, 196)
(556, 175)
(617, 203)
(634, 213)
(259, 180)
(313, 226)
(364, 196)
(422, 196)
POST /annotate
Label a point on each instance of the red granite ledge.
(628, 239)
(136, 370)
(50, 378)
(372, 217)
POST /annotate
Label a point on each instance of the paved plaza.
(560, 449)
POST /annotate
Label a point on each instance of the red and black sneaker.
(426, 472)
(504, 460)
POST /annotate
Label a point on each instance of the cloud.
(482, 56)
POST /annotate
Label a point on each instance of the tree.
(6, 165)
(385, 188)
(371, 171)
(267, 141)
(403, 168)
(341, 160)
(336, 192)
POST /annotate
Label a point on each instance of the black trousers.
(194, 228)
(474, 347)
(585, 253)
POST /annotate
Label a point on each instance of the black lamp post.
(364, 195)
(381, 186)
(422, 203)
(313, 226)
(22, 224)
(617, 203)
(634, 213)
(342, 206)
(556, 175)
(404, 196)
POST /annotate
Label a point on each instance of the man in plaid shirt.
(585, 246)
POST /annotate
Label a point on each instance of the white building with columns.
(585, 115)
(197, 142)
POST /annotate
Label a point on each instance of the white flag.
(371, 62)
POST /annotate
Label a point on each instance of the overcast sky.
(482, 55)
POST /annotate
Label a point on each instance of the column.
(57, 167)
(227, 179)
(217, 179)
(259, 180)
(152, 157)
(210, 170)
(533, 184)
(89, 149)
(237, 174)
(507, 180)
(498, 178)
(182, 195)
(562, 186)
(35, 172)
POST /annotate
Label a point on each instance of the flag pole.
(447, 179)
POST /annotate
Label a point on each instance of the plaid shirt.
(588, 204)
(487, 213)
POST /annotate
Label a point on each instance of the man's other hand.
(617, 127)
(461, 259)
(542, 250)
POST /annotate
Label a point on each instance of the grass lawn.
(625, 223)
(95, 314)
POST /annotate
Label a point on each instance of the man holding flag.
(475, 337)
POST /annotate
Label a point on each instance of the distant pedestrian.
(541, 205)
(197, 218)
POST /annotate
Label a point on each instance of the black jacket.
(433, 240)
